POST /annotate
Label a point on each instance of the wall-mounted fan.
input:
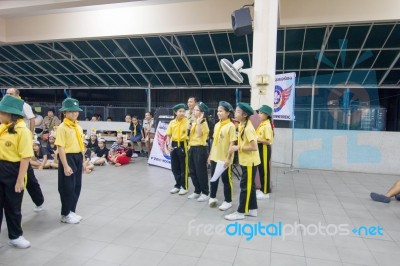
(234, 70)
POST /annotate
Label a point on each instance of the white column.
(149, 99)
(264, 50)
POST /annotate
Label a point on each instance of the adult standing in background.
(50, 121)
(191, 103)
(32, 184)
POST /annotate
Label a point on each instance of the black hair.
(109, 118)
(14, 119)
(272, 125)
(195, 98)
(150, 113)
(231, 113)
(245, 125)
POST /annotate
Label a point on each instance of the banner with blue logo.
(159, 155)
(284, 96)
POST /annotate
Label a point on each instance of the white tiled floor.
(131, 219)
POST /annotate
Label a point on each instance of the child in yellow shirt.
(177, 136)
(15, 153)
(265, 134)
(248, 159)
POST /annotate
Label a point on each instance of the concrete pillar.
(264, 51)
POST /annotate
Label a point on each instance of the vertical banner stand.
(291, 169)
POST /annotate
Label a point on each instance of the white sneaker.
(203, 197)
(38, 208)
(212, 202)
(182, 191)
(20, 242)
(174, 190)
(69, 219)
(252, 213)
(259, 192)
(225, 205)
(235, 216)
(194, 196)
(262, 196)
(77, 216)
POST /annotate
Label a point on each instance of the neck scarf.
(4, 127)
(262, 125)
(180, 122)
(222, 123)
(74, 125)
(134, 129)
(241, 129)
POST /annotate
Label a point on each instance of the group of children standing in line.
(187, 140)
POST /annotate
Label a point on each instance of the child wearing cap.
(198, 153)
(70, 146)
(15, 153)
(177, 135)
(248, 159)
(265, 138)
(39, 159)
(224, 139)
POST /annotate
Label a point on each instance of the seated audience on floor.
(92, 143)
(52, 152)
(39, 159)
(88, 166)
(125, 156)
(100, 154)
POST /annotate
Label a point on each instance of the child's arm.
(23, 168)
(43, 162)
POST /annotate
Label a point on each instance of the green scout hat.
(12, 105)
(179, 106)
(265, 109)
(70, 105)
(226, 105)
(203, 107)
(246, 108)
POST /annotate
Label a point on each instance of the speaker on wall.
(241, 22)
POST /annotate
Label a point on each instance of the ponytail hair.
(245, 125)
(272, 126)
(14, 119)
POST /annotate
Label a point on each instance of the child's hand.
(68, 171)
(233, 149)
(19, 185)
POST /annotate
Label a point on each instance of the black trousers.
(33, 187)
(10, 201)
(247, 199)
(179, 164)
(69, 187)
(226, 180)
(264, 168)
(198, 169)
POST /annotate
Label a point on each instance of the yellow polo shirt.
(247, 158)
(264, 131)
(194, 140)
(66, 138)
(177, 130)
(220, 147)
(15, 147)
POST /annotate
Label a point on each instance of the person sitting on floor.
(394, 191)
(52, 151)
(93, 143)
(87, 164)
(100, 154)
(116, 147)
(126, 156)
(39, 159)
